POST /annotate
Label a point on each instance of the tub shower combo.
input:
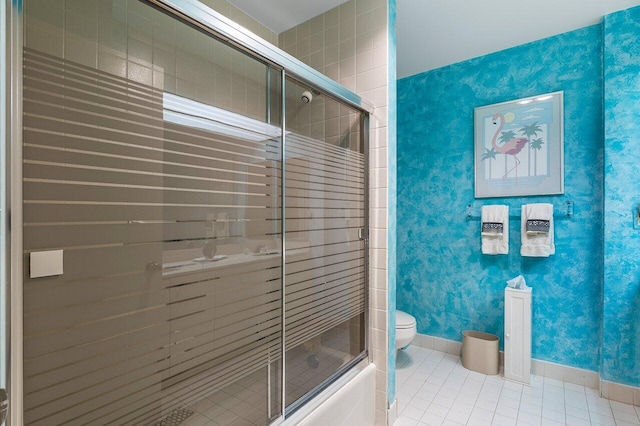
(209, 195)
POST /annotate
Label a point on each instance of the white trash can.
(480, 352)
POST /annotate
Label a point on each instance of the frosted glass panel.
(153, 158)
(325, 258)
(149, 158)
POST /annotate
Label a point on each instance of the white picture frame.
(519, 147)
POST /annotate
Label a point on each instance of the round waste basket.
(480, 352)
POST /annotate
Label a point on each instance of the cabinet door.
(517, 336)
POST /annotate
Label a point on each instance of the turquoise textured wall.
(621, 319)
(443, 279)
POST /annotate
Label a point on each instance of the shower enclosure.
(209, 195)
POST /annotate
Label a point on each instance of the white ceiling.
(435, 33)
(280, 15)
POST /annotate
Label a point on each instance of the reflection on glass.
(150, 158)
(325, 259)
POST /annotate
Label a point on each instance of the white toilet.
(405, 329)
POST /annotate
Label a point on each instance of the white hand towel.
(537, 230)
(494, 229)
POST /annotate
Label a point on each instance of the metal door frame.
(11, 16)
(12, 209)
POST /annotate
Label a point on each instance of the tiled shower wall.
(350, 45)
(238, 16)
(159, 52)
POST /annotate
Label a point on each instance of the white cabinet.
(517, 335)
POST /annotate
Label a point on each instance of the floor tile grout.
(434, 388)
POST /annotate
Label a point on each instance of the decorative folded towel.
(495, 229)
(539, 218)
(537, 230)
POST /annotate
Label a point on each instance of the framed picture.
(519, 147)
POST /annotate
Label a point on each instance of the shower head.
(306, 97)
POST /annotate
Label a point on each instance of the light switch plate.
(46, 263)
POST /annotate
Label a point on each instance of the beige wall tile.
(115, 65)
(379, 341)
(44, 41)
(303, 31)
(378, 177)
(331, 36)
(381, 382)
(347, 28)
(316, 42)
(378, 237)
(379, 356)
(364, 42)
(379, 16)
(364, 22)
(378, 318)
(314, 25)
(347, 48)
(347, 10)
(379, 256)
(378, 218)
(378, 299)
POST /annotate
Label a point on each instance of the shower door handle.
(363, 233)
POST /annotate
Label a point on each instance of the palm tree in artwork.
(506, 136)
(536, 144)
(530, 130)
(489, 154)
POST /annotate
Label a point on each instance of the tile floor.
(433, 388)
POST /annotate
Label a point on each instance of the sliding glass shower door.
(151, 161)
(325, 225)
(214, 263)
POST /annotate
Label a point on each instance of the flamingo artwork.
(511, 147)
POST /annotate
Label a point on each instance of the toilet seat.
(404, 320)
(405, 329)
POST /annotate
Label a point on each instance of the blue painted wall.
(443, 279)
(621, 331)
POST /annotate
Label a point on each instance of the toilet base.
(404, 337)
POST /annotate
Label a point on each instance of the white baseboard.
(438, 343)
(392, 413)
(619, 392)
(578, 376)
(564, 373)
